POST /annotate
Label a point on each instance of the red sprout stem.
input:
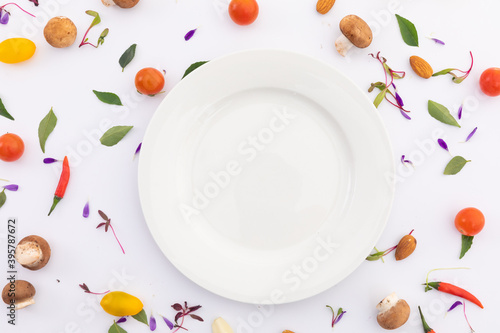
(467, 320)
(93, 293)
(412, 230)
(182, 322)
(112, 229)
(15, 4)
(84, 37)
(390, 250)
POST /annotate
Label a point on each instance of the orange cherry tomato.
(11, 147)
(490, 81)
(243, 12)
(149, 81)
(469, 221)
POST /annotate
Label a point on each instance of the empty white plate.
(266, 176)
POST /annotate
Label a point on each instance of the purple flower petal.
(457, 303)
(399, 100)
(405, 161)
(190, 34)
(152, 323)
(138, 149)
(49, 160)
(168, 322)
(339, 317)
(460, 111)
(438, 41)
(471, 134)
(405, 114)
(121, 320)
(11, 187)
(443, 144)
(86, 210)
(5, 18)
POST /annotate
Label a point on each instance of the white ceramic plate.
(265, 176)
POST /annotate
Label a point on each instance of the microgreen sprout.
(182, 312)
(427, 288)
(4, 14)
(390, 75)
(87, 290)
(455, 77)
(107, 224)
(96, 21)
(336, 317)
(380, 254)
(35, 2)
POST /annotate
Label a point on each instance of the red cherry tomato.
(149, 81)
(490, 81)
(243, 12)
(469, 221)
(11, 147)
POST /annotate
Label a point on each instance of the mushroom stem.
(343, 45)
(25, 303)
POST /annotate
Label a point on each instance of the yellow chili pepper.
(120, 304)
(14, 50)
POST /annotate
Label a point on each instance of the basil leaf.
(441, 113)
(3, 111)
(466, 244)
(116, 329)
(3, 198)
(142, 317)
(455, 165)
(379, 98)
(408, 31)
(108, 98)
(127, 56)
(193, 67)
(46, 127)
(114, 135)
(97, 18)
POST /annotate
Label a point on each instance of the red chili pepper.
(427, 329)
(63, 183)
(454, 290)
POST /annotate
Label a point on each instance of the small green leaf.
(127, 56)
(108, 98)
(114, 135)
(3, 111)
(193, 67)
(441, 113)
(408, 31)
(466, 244)
(443, 72)
(455, 165)
(380, 97)
(104, 33)
(46, 127)
(97, 18)
(3, 198)
(141, 317)
(116, 329)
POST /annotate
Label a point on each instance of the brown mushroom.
(355, 32)
(393, 312)
(33, 252)
(19, 293)
(126, 3)
(60, 32)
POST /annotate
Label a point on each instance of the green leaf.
(466, 244)
(379, 85)
(127, 56)
(455, 165)
(441, 113)
(408, 31)
(104, 33)
(379, 98)
(142, 317)
(193, 67)
(116, 329)
(3, 198)
(97, 18)
(46, 127)
(443, 72)
(3, 111)
(108, 98)
(114, 135)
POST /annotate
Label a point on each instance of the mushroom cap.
(60, 32)
(356, 30)
(126, 3)
(23, 294)
(33, 252)
(395, 316)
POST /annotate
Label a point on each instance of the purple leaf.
(4, 19)
(189, 35)
(168, 322)
(457, 303)
(177, 307)
(460, 111)
(194, 308)
(49, 160)
(443, 144)
(152, 323)
(471, 134)
(339, 317)
(86, 210)
(121, 320)
(405, 114)
(178, 316)
(11, 187)
(138, 149)
(100, 225)
(196, 317)
(104, 216)
(438, 41)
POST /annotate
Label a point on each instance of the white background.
(426, 200)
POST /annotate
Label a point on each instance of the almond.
(421, 67)
(406, 246)
(324, 6)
